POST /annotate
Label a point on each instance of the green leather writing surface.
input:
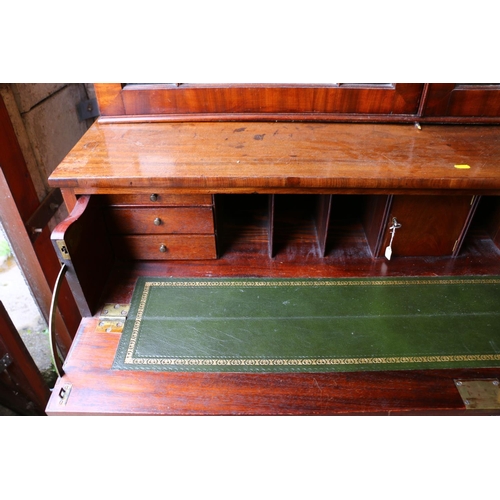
(311, 325)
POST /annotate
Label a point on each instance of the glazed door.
(258, 101)
(463, 100)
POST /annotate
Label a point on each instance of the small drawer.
(165, 247)
(161, 199)
(187, 220)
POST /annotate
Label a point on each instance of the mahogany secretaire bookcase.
(280, 182)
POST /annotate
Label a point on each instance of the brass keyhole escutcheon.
(157, 221)
(163, 248)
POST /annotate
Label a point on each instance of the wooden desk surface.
(97, 389)
(282, 158)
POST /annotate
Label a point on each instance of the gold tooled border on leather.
(312, 362)
(324, 282)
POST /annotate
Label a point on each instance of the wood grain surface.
(147, 99)
(160, 220)
(282, 158)
(164, 246)
(98, 390)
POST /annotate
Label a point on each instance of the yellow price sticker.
(462, 166)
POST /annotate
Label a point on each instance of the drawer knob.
(163, 248)
(153, 197)
(157, 221)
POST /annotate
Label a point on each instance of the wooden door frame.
(19, 206)
(22, 387)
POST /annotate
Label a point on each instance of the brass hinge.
(63, 249)
(112, 318)
(479, 394)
